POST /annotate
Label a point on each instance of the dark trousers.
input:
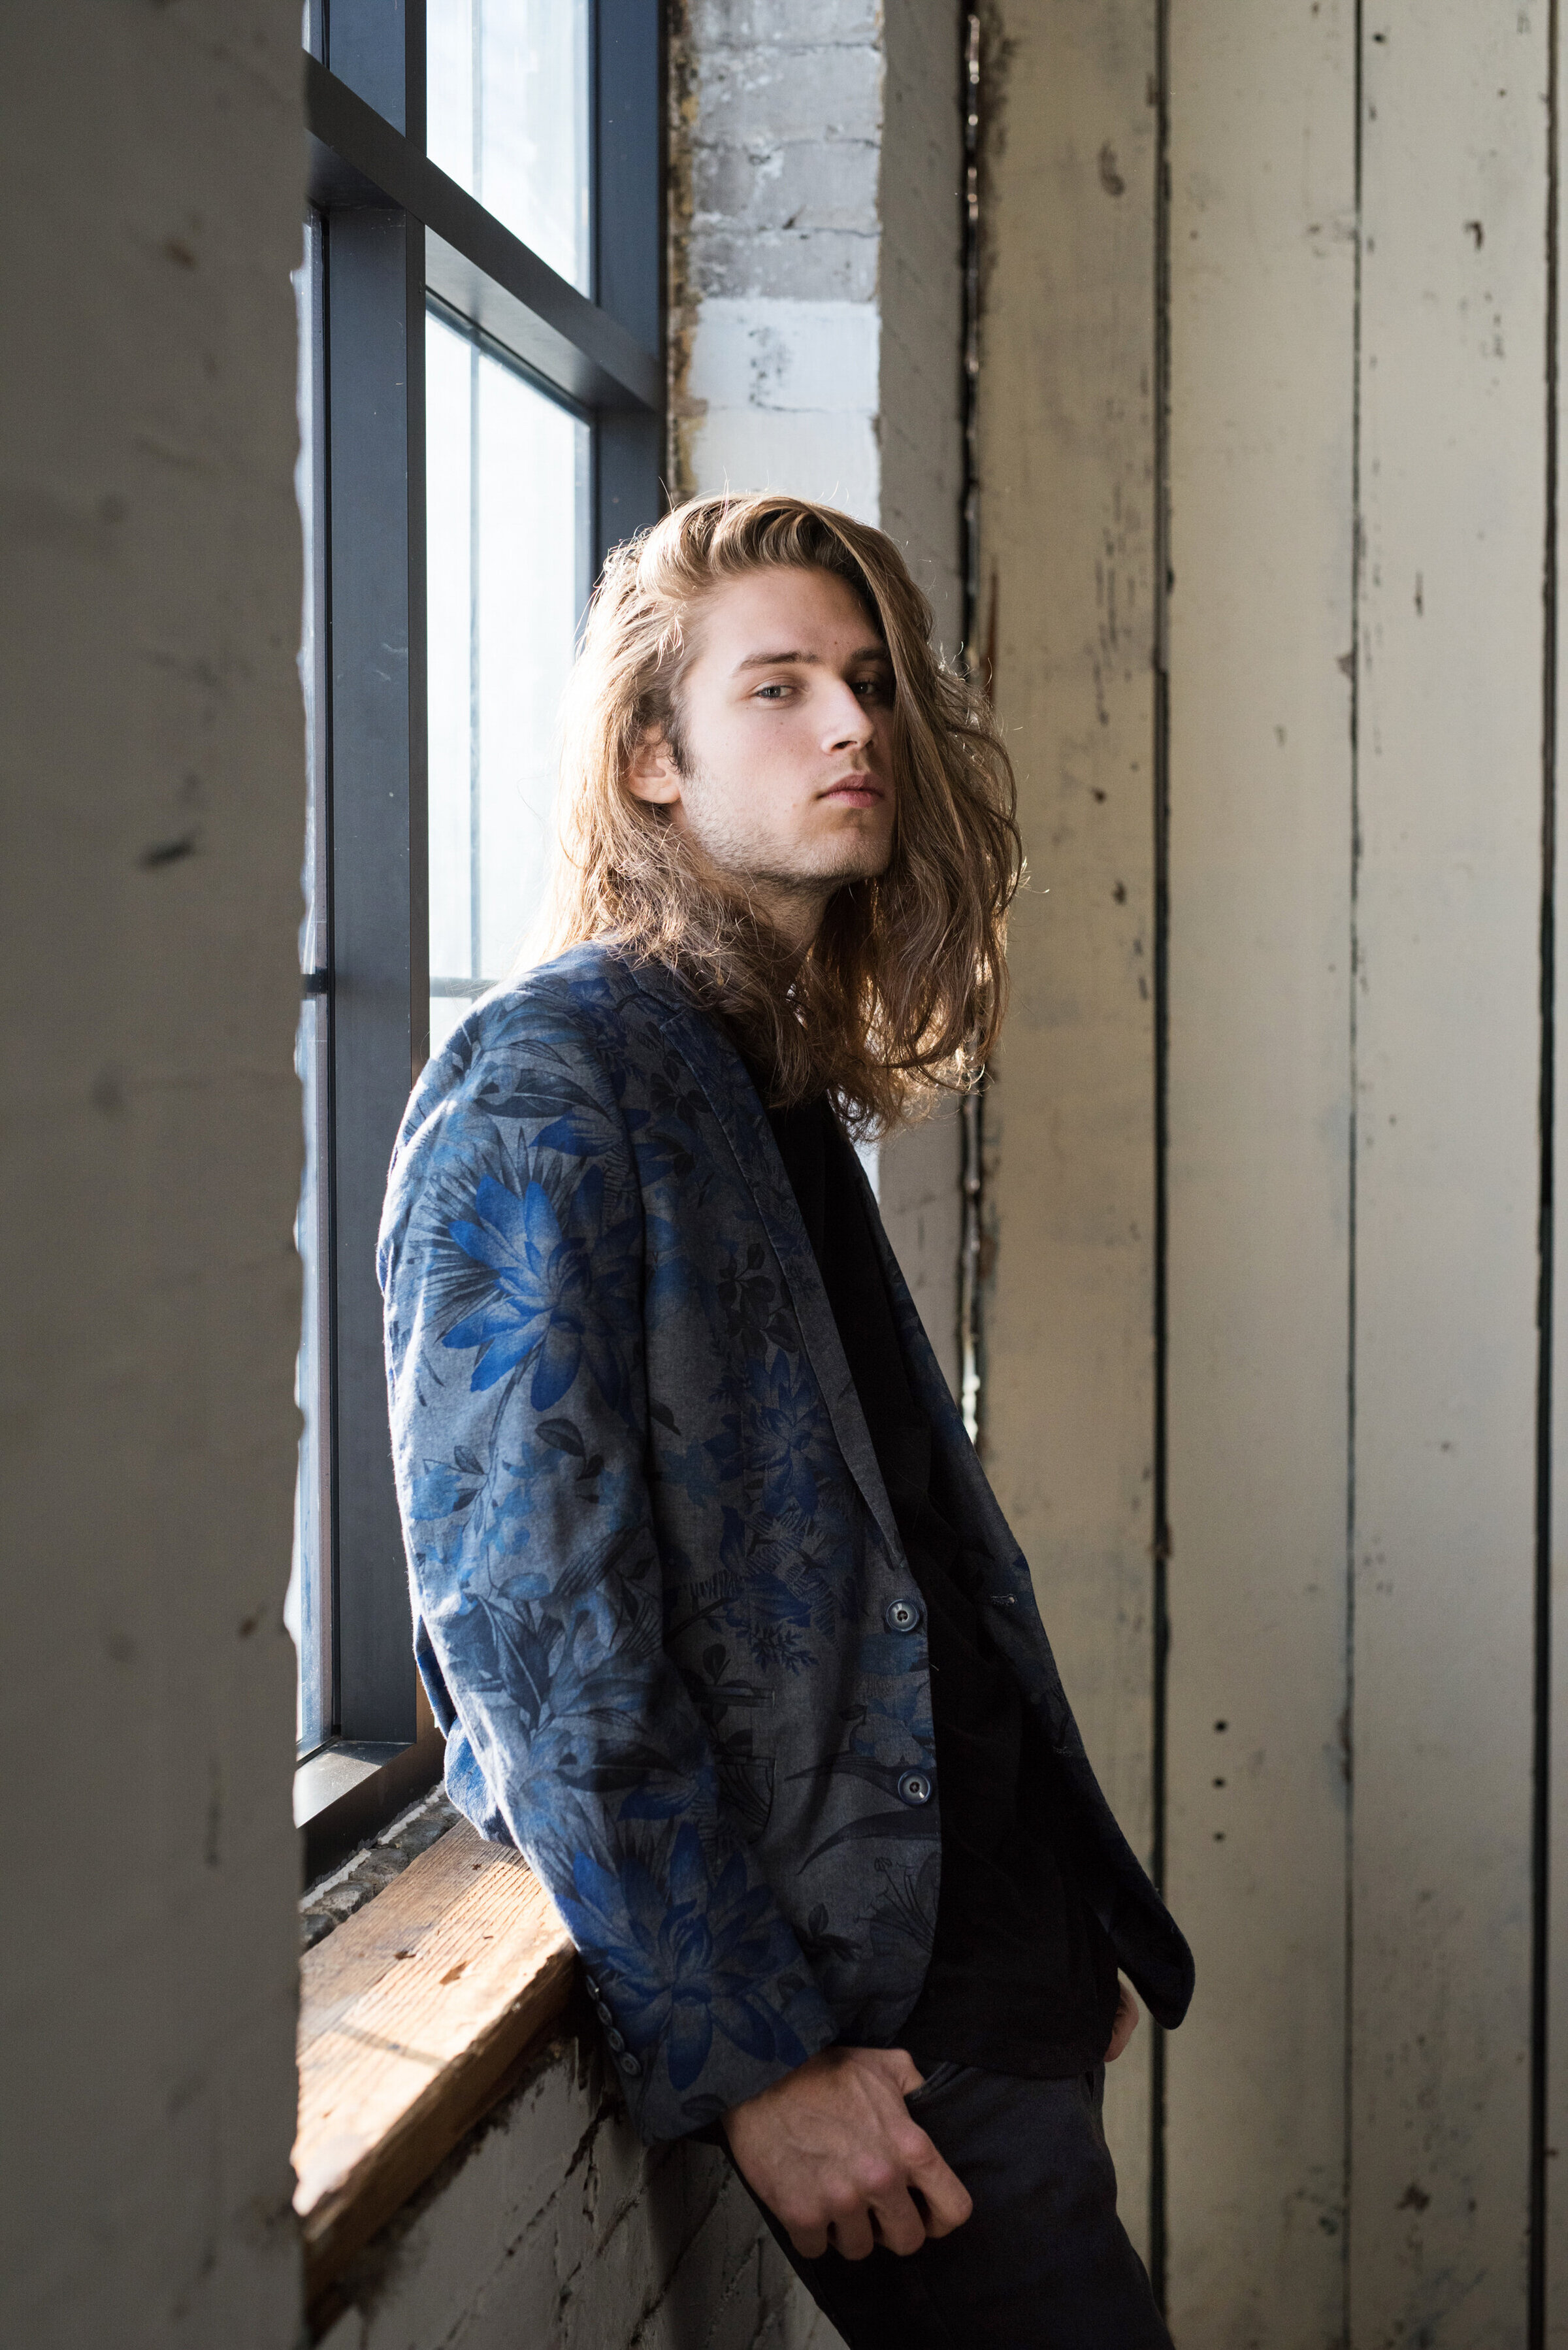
(1042, 2263)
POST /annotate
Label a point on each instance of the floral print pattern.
(650, 1551)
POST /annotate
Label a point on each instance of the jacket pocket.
(936, 2080)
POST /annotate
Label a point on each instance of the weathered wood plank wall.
(1066, 460)
(1448, 1057)
(1261, 291)
(1553, 2186)
(1347, 289)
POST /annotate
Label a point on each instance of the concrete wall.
(151, 746)
(816, 327)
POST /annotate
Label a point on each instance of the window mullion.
(379, 916)
(628, 214)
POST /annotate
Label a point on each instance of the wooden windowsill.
(413, 2014)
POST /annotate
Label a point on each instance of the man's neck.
(794, 910)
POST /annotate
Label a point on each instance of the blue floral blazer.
(662, 1611)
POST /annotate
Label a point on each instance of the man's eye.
(873, 689)
(763, 692)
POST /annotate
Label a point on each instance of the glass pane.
(308, 1609)
(507, 482)
(507, 92)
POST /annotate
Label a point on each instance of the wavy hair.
(902, 993)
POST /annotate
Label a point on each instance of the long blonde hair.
(902, 993)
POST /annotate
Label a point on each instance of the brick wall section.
(815, 270)
(816, 262)
(555, 2227)
(775, 248)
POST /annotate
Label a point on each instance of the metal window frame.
(394, 228)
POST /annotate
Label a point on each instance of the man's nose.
(849, 724)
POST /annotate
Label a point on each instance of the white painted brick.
(606, 2290)
(763, 99)
(747, 23)
(715, 2287)
(512, 2183)
(621, 2167)
(792, 2320)
(823, 265)
(806, 187)
(834, 459)
(518, 2302)
(788, 355)
(519, 2242)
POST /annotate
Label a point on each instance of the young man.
(715, 1606)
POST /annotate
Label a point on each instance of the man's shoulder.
(589, 1016)
(538, 1056)
(588, 984)
(594, 983)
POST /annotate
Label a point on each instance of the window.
(507, 475)
(508, 100)
(481, 391)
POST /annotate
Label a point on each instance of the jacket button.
(915, 1787)
(629, 2064)
(590, 1986)
(602, 2011)
(615, 2042)
(900, 1615)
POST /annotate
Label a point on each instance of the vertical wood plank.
(1261, 445)
(1555, 2085)
(1067, 534)
(1451, 387)
(921, 436)
(919, 1192)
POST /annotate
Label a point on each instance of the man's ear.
(652, 773)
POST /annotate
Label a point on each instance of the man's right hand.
(836, 2155)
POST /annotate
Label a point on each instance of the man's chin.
(820, 881)
(854, 860)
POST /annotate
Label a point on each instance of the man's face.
(785, 727)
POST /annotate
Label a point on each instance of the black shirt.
(1022, 1977)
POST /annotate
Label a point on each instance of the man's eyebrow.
(807, 661)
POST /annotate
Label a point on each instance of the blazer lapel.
(732, 1098)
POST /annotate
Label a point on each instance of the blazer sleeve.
(513, 1264)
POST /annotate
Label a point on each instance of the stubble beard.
(752, 863)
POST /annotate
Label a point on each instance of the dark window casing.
(392, 229)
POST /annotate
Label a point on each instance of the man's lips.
(855, 791)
